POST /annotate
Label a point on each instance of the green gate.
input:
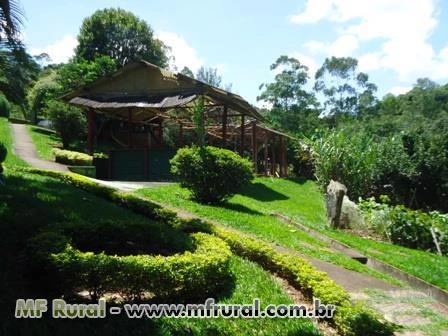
(141, 165)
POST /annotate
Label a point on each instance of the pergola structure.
(142, 96)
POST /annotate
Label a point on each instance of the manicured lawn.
(44, 140)
(303, 202)
(250, 212)
(29, 203)
(6, 139)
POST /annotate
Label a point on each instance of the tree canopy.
(345, 90)
(120, 35)
(294, 108)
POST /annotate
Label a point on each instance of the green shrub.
(406, 227)
(68, 121)
(72, 158)
(211, 174)
(5, 107)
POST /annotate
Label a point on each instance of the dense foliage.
(397, 146)
(406, 227)
(67, 120)
(211, 174)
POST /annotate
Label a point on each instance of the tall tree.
(212, 77)
(17, 71)
(209, 76)
(121, 35)
(294, 108)
(187, 72)
(345, 90)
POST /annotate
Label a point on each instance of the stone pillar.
(335, 195)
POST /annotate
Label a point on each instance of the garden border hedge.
(192, 275)
(349, 319)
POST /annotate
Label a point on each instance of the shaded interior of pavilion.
(142, 114)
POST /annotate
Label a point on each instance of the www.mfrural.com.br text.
(59, 308)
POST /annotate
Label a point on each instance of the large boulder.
(335, 196)
(351, 217)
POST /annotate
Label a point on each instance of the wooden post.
(243, 131)
(90, 130)
(273, 158)
(130, 140)
(283, 167)
(265, 152)
(224, 127)
(254, 146)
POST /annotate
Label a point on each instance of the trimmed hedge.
(349, 319)
(190, 276)
(72, 158)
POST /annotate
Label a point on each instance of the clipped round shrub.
(72, 158)
(5, 107)
(211, 174)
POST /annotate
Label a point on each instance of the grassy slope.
(6, 139)
(303, 202)
(44, 140)
(251, 282)
(48, 202)
(250, 212)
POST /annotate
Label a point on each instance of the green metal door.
(128, 165)
(159, 164)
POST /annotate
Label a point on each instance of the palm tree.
(11, 19)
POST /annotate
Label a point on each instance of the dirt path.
(26, 150)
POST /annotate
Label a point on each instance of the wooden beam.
(224, 126)
(90, 130)
(243, 130)
(254, 146)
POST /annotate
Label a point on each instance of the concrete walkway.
(25, 149)
(128, 186)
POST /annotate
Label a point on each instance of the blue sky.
(395, 41)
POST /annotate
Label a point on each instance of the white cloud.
(183, 53)
(60, 51)
(403, 30)
(398, 90)
(344, 45)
